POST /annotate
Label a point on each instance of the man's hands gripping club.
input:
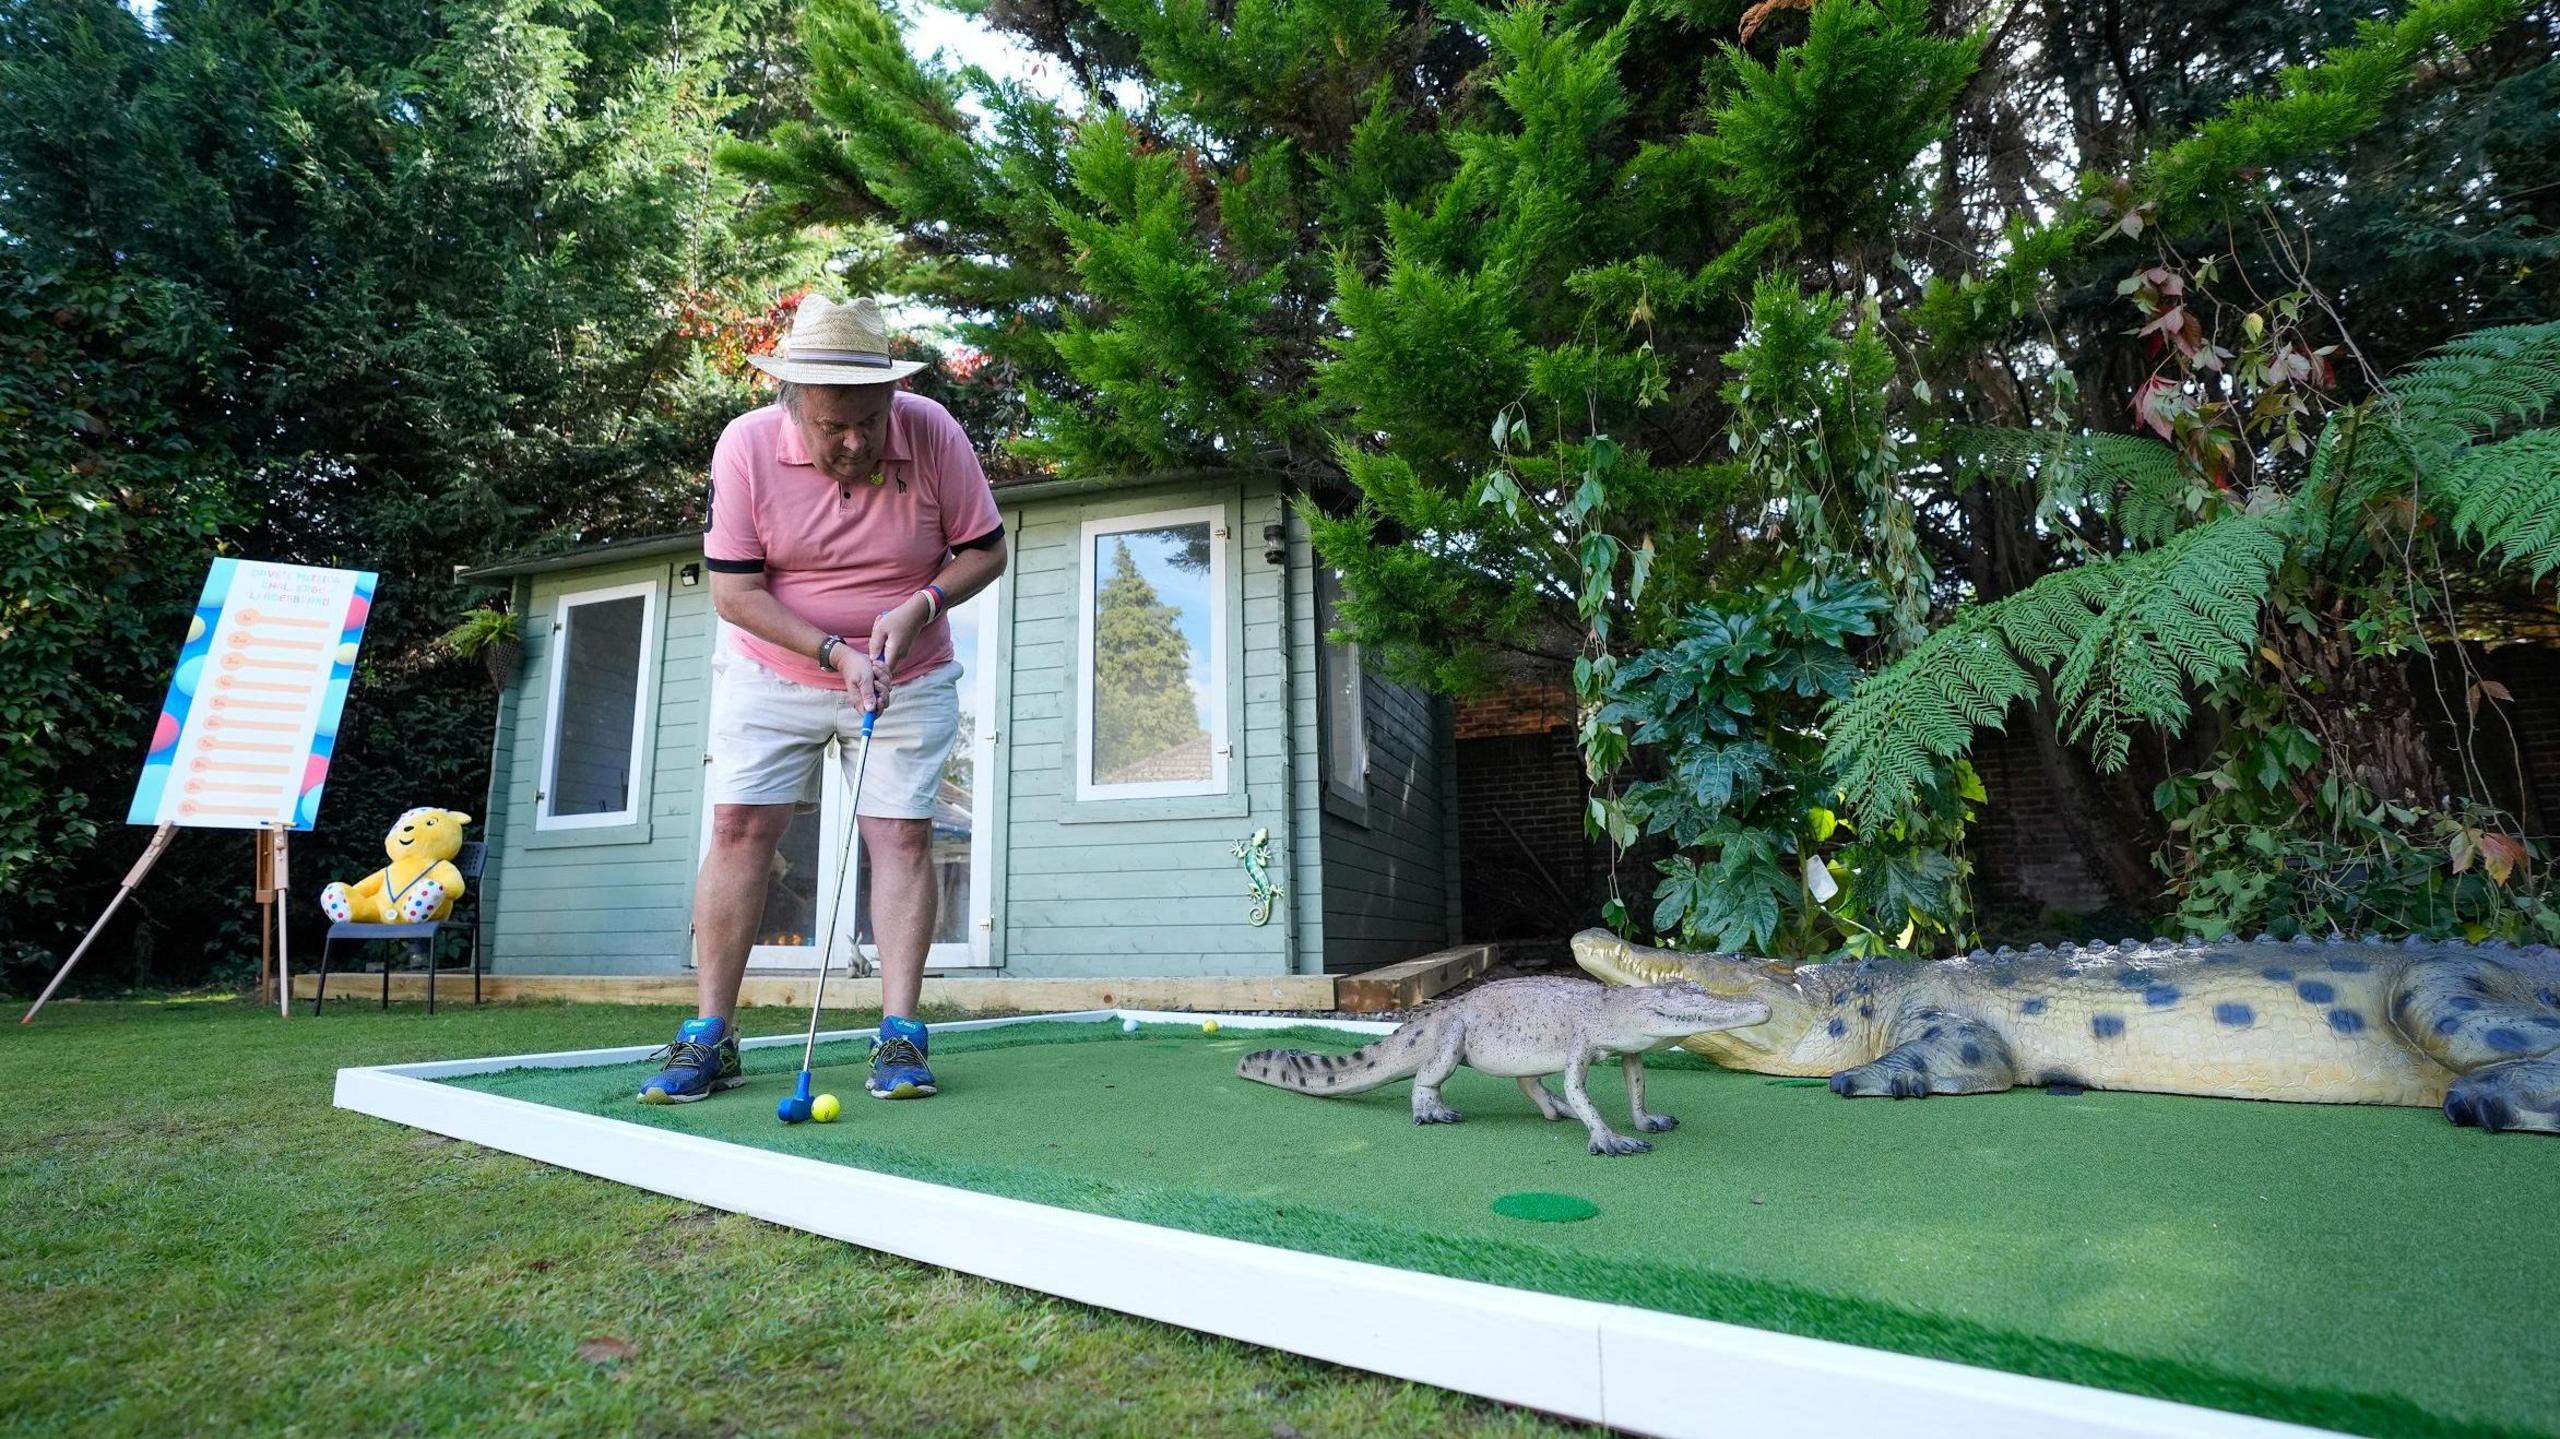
(892, 635)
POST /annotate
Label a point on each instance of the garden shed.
(1150, 718)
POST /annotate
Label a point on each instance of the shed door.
(804, 885)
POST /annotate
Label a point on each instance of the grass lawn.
(197, 1243)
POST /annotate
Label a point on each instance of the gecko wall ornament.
(1255, 851)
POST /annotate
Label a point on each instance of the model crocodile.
(1524, 1029)
(2473, 1028)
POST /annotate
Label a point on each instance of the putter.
(795, 1110)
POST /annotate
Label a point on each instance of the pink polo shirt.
(835, 559)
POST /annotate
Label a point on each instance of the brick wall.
(2026, 869)
(1519, 709)
(2025, 866)
(2526, 770)
(1526, 869)
(1529, 878)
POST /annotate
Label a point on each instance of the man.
(846, 520)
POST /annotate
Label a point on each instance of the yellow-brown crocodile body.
(2472, 1028)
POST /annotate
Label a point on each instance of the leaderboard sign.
(244, 738)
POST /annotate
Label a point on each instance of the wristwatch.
(826, 648)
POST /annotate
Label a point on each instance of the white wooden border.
(637, 786)
(1088, 578)
(986, 830)
(1632, 1369)
(975, 949)
(1356, 789)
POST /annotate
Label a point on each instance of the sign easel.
(275, 975)
(159, 843)
(245, 735)
(273, 886)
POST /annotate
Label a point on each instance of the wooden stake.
(266, 883)
(284, 963)
(159, 841)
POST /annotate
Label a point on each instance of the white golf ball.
(1128, 1026)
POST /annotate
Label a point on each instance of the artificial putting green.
(2369, 1269)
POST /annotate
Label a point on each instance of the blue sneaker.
(702, 1061)
(897, 1061)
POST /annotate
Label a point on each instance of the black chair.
(419, 940)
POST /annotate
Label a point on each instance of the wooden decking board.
(1402, 986)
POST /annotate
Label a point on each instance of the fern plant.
(2138, 486)
(2446, 466)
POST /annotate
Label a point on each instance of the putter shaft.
(852, 836)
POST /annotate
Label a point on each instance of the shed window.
(601, 641)
(1346, 733)
(1152, 701)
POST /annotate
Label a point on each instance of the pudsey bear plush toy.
(420, 884)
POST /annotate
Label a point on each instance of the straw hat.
(832, 344)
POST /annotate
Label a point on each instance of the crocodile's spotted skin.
(2473, 1028)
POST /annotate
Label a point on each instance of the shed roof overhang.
(1012, 492)
(639, 547)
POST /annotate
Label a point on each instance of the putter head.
(795, 1110)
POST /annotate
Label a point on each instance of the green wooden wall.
(1107, 887)
(1083, 887)
(1388, 879)
(1306, 776)
(616, 899)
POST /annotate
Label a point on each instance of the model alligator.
(1524, 1029)
(2473, 1028)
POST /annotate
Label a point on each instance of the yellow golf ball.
(824, 1109)
(1208, 1026)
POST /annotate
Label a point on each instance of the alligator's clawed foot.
(1881, 1078)
(2519, 1094)
(1612, 1145)
(1656, 1123)
(1435, 1114)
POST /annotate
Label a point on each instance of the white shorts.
(768, 735)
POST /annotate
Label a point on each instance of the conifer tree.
(1465, 275)
(1581, 314)
(423, 284)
